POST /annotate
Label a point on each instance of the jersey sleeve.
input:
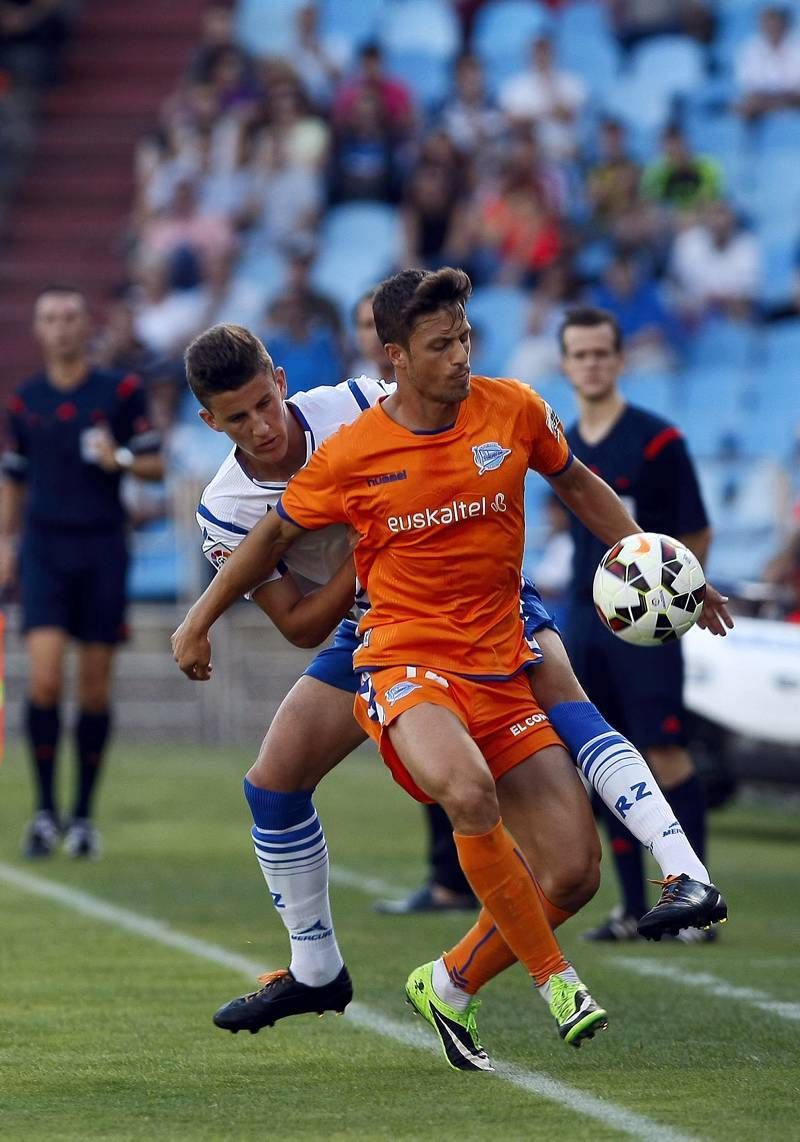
(367, 391)
(131, 423)
(15, 457)
(221, 538)
(313, 498)
(548, 450)
(671, 468)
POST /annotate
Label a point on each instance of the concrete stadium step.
(109, 185)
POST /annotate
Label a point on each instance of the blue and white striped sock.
(293, 856)
(624, 782)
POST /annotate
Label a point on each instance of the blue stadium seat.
(707, 409)
(266, 27)
(638, 103)
(780, 130)
(782, 349)
(778, 265)
(428, 76)
(498, 314)
(672, 64)
(359, 245)
(502, 34)
(596, 62)
(157, 570)
(353, 20)
(720, 343)
(425, 27)
(656, 392)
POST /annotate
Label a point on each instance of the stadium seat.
(672, 64)
(428, 76)
(502, 34)
(782, 347)
(353, 20)
(778, 266)
(780, 130)
(157, 571)
(498, 314)
(359, 245)
(426, 27)
(707, 411)
(720, 343)
(638, 103)
(266, 27)
(655, 392)
(585, 43)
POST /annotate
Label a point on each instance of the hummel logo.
(386, 478)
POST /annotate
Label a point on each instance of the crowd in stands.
(639, 154)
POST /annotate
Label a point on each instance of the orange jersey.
(442, 526)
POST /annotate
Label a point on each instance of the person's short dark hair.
(370, 49)
(223, 359)
(589, 317)
(62, 289)
(401, 300)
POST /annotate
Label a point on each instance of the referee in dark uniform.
(73, 432)
(640, 691)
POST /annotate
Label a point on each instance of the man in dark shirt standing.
(73, 431)
(640, 691)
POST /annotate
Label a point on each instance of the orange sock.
(482, 953)
(504, 884)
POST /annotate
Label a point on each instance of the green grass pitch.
(107, 1033)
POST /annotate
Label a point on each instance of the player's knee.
(470, 802)
(45, 689)
(574, 881)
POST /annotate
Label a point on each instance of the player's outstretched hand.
(715, 616)
(192, 652)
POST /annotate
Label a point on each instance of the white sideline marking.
(369, 885)
(711, 984)
(532, 1082)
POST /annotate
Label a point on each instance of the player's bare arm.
(600, 509)
(307, 620)
(596, 505)
(253, 561)
(12, 498)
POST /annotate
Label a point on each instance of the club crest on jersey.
(489, 456)
(400, 690)
(219, 554)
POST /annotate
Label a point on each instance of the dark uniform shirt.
(644, 459)
(45, 426)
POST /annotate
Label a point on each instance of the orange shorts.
(502, 718)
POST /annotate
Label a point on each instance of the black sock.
(43, 726)
(627, 853)
(91, 734)
(689, 805)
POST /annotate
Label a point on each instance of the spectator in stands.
(318, 61)
(550, 98)
(470, 117)
(288, 191)
(679, 180)
(637, 20)
(434, 218)
(371, 359)
(395, 104)
(32, 36)
(216, 31)
(166, 318)
(783, 572)
(517, 229)
(297, 288)
(536, 357)
(633, 297)
(303, 136)
(183, 231)
(118, 346)
(768, 66)
(364, 161)
(612, 184)
(306, 347)
(74, 431)
(715, 265)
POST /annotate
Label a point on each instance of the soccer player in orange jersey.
(432, 479)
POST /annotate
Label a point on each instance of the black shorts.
(639, 690)
(75, 581)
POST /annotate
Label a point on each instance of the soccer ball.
(649, 589)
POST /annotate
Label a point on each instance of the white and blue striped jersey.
(234, 502)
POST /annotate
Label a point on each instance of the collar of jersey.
(423, 433)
